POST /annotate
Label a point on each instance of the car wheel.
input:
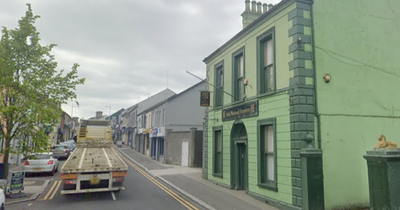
(52, 172)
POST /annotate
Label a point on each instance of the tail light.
(118, 179)
(26, 162)
(50, 162)
(66, 151)
(69, 181)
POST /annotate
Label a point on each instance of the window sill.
(217, 107)
(269, 186)
(237, 102)
(272, 92)
(218, 175)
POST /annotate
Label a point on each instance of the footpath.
(33, 187)
(189, 182)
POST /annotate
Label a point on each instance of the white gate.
(185, 154)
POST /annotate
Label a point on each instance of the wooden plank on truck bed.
(93, 160)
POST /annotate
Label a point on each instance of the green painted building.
(327, 69)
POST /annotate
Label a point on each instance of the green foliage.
(31, 88)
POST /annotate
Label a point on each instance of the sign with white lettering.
(242, 111)
(17, 181)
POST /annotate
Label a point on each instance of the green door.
(241, 170)
(239, 167)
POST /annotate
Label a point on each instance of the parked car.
(41, 163)
(71, 145)
(61, 151)
(2, 199)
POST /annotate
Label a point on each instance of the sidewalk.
(33, 187)
(189, 182)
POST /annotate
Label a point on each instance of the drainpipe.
(316, 113)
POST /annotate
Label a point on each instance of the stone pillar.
(167, 158)
(312, 178)
(383, 176)
(192, 146)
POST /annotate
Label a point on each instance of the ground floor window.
(267, 154)
(217, 169)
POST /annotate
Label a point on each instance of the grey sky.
(126, 47)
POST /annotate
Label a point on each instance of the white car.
(2, 199)
(39, 163)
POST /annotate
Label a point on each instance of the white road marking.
(29, 204)
(82, 158)
(113, 196)
(108, 159)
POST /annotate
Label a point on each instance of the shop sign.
(157, 132)
(242, 111)
(153, 132)
(205, 98)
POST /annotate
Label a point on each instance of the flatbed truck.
(94, 165)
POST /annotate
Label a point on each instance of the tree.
(31, 88)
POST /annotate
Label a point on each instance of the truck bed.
(93, 160)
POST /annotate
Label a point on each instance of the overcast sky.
(126, 48)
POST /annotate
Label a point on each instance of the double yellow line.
(160, 185)
(53, 190)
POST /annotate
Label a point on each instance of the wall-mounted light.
(327, 78)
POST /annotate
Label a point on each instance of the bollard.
(312, 177)
(384, 178)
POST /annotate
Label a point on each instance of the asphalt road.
(142, 192)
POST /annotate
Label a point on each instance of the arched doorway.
(239, 157)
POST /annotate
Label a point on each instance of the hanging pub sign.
(205, 98)
(242, 111)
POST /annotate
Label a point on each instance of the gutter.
(316, 113)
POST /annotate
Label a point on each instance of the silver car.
(41, 163)
(61, 151)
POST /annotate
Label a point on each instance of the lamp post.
(72, 108)
(72, 134)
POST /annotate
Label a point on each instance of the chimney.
(265, 7)
(99, 114)
(259, 7)
(251, 14)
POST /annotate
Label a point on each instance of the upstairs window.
(219, 85)
(238, 74)
(266, 62)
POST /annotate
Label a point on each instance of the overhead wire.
(331, 54)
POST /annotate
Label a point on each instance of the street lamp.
(72, 107)
(109, 112)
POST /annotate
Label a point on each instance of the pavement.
(189, 182)
(186, 180)
(33, 187)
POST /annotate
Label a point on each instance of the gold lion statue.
(382, 143)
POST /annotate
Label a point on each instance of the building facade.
(302, 68)
(183, 116)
